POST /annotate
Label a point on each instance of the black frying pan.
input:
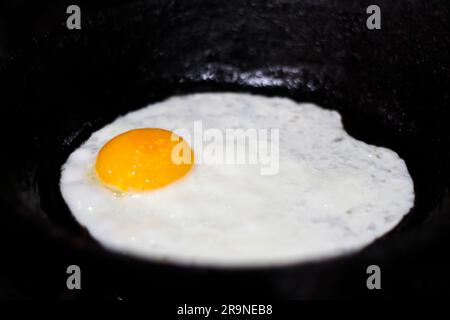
(390, 85)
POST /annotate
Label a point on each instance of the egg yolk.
(144, 159)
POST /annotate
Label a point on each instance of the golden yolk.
(144, 159)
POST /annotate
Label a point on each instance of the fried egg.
(328, 193)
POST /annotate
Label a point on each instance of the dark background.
(399, 77)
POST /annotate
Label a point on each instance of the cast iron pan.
(390, 85)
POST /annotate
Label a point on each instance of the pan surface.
(390, 85)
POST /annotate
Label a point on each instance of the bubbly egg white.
(332, 195)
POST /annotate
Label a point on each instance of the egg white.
(332, 195)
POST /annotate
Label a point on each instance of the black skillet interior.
(390, 85)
